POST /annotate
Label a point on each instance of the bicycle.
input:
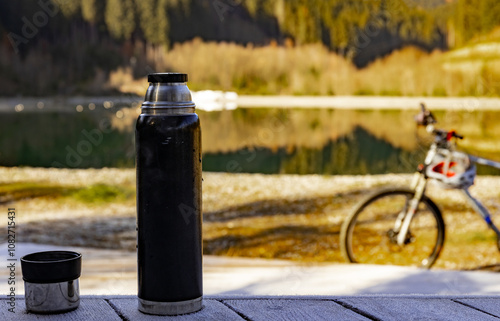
(403, 226)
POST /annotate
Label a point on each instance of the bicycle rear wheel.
(368, 235)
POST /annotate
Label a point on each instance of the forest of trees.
(74, 38)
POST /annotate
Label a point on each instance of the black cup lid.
(167, 77)
(51, 266)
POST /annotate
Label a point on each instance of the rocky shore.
(295, 217)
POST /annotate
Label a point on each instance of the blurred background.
(73, 76)
(70, 67)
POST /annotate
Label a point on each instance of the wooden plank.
(349, 308)
(212, 310)
(488, 305)
(401, 308)
(89, 310)
(291, 309)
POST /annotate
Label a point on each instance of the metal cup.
(51, 281)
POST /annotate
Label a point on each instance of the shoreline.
(371, 102)
(55, 103)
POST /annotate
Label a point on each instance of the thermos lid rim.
(51, 266)
(167, 77)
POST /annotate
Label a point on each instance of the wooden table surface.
(370, 307)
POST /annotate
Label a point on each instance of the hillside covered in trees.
(79, 42)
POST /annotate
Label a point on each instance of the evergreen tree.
(474, 18)
(120, 18)
(68, 8)
(153, 20)
(89, 10)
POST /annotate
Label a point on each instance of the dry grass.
(273, 216)
(313, 70)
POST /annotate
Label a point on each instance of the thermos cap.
(51, 266)
(168, 77)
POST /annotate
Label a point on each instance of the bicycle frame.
(419, 185)
(475, 203)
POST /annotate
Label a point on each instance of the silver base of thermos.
(170, 308)
(52, 297)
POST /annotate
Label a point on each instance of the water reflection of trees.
(359, 152)
(263, 140)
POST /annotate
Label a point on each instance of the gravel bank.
(295, 217)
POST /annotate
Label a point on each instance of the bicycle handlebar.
(452, 134)
(448, 135)
(426, 118)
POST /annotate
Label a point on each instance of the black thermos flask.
(168, 165)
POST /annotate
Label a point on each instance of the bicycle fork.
(403, 221)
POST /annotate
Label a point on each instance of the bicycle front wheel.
(369, 234)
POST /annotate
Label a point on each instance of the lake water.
(254, 140)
